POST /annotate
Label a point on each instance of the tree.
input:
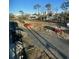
(37, 6)
(48, 6)
(65, 5)
(65, 15)
(22, 13)
(56, 10)
(11, 15)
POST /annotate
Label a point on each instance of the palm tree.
(22, 13)
(37, 6)
(48, 6)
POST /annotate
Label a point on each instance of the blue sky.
(27, 5)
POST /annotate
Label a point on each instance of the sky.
(27, 5)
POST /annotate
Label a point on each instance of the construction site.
(39, 35)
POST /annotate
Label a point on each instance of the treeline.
(48, 14)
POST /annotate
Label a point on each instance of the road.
(52, 46)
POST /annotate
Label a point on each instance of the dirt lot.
(39, 26)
